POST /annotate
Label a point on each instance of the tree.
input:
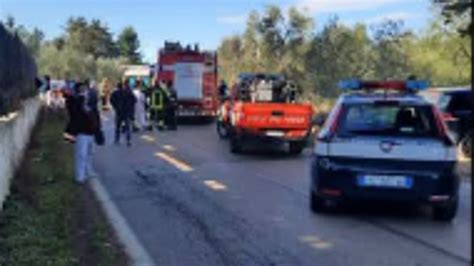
(230, 52)
(392, 59)
(110, 68)
(92, 38)
(458, 14)
(128, 45)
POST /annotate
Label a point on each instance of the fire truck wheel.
(235, 145)
(222, 130)
(296, 147)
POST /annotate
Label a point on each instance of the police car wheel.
(317, 204)
(447, 212)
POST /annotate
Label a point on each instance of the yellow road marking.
(215, 185)
(169, 148)
(148, 138)
(316, 242)
(175, 162)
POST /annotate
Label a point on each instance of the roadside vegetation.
(86, 49)
(48, 219)
(288, 42)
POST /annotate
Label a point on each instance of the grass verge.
(48, 219)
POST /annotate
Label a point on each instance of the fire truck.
(194, 77)
(264, 107)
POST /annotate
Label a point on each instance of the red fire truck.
(194, 76)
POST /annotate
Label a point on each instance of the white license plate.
(392, 181)
(275, 134)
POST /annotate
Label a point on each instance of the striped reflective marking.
(175, 162)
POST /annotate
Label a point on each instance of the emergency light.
(402, 85)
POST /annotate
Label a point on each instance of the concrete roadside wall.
(15, 130)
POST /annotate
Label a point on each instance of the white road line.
(134, 249)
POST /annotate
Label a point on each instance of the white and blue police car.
(383, 142)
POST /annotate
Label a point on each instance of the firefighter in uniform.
(171, 106)
(157, 106)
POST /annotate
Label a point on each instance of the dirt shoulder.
(48, 219)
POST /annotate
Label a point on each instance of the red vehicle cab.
(263, 107)
(194, 77)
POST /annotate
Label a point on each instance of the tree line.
(316, 60)
(85, 50)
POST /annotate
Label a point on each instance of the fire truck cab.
(193, 74)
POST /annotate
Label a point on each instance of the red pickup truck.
(263, 107)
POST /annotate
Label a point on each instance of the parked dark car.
(456, 107)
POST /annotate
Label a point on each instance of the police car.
(383, 142)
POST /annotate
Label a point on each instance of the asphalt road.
(191, 202)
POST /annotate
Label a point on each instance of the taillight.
(331, 125)
(448, 117)
(335, 121)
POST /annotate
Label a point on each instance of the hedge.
(17, 72)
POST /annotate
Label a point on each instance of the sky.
(205, 22)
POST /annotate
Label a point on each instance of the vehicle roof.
(371, 97)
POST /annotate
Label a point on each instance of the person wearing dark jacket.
(83, 125)
(123, 101)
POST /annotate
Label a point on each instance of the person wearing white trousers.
(140, 114)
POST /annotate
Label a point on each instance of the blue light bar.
(416, 84)
(350, 84)
(409, 85)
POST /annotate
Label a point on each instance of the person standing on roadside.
(140, 114)
(105, 93)
(223, 91)
(84, 124)
(157, 106)
(123, 102)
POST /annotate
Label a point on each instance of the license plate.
(275, 133)
(390, 181)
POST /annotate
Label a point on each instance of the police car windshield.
(388, 120)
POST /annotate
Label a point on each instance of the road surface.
(191, 202)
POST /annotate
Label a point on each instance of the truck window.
(267, 90)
